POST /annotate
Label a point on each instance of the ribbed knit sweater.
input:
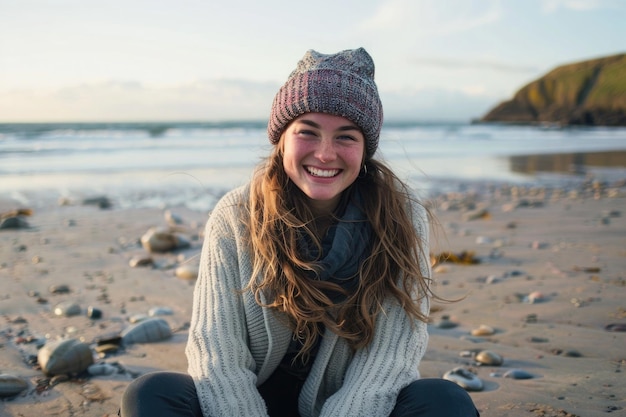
(235, 344)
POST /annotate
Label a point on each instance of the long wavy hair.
(279, 216)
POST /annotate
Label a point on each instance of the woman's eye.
(347, 137)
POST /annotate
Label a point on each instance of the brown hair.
(279, 216)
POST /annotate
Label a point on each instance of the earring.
(363, 172)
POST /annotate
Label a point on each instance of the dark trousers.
(174, 394)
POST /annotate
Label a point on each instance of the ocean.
(161, 164)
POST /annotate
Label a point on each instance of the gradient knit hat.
(341, 84)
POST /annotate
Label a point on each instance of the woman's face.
(322, 155)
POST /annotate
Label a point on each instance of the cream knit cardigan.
(235, 345)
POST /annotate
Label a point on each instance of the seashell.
(160, 311)
(147, 331)
(101, 369)
(67, 309)
(161, 240)
(518, 374)
(64, 356)
(487, 357)
(483, 330)
(11, 385)
(464, 378)
(187, 272)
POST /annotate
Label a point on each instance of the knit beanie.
(341, 84)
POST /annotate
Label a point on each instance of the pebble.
(615, 327)
(161, 240)
(94, 313)
(101, 369)
(139, 261)
(535, 297)
(13, 222)
(172, 219)
(487, 357)
(11, 385)
(147, 331)
(187, 272)
(483, 330)
(531, 318)
(64, 356)
(476, 215)
(493, 279)
(67, 309)
(59, 289)
(464, 378)
(445, 323)
(518, 374)
(484, 240)
(102, 202)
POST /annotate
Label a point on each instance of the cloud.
(457, 64)
(224, 99)
(550, 6)
(432, 17)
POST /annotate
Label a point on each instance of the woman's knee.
(159, 391)
(434, 397)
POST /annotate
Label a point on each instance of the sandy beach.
(544, 291)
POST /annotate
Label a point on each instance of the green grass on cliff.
(599, 83)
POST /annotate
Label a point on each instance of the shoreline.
(565, 245)
(198, 188)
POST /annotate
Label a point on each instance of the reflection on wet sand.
(568, 163)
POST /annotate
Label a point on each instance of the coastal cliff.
(591, 93)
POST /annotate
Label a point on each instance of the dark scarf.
(344, 247)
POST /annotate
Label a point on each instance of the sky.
(213, 60)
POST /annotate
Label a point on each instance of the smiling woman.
(315, 283)
(322, 155)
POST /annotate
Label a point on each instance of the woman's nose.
(326, 150)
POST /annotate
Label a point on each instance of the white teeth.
(322, 172)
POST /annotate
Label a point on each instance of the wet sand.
(549, 279)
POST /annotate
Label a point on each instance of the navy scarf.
(344, 247)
